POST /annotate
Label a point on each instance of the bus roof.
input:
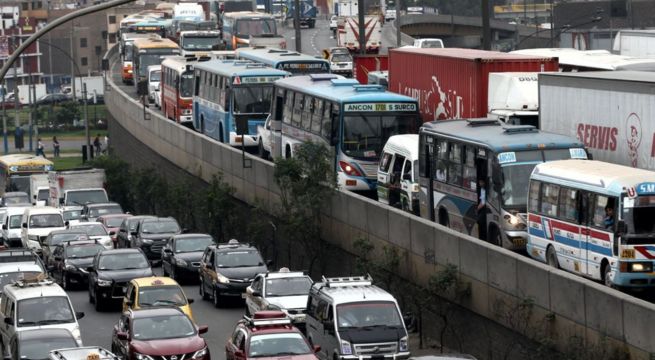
(599, 174)
(273, 56)
(179, 63)
(24, 159)
(490, 133)
(592, 59)
(238, 68)
(407, 144)
(154, 43)
(130, 36)
(337, 88)
(247, 14)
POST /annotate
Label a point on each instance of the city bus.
(355, 120)
(229, 91)
(148, 52)
(15, 170)
(291, 61)
(239, 26)
(455, 155)
(127, 52)
(594, 219)
(177, 88)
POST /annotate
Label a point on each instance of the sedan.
(71, 261)
(96, 231)
(37, 344)
(113, 223)
(158, 333)
(181, 255)
(53, 99)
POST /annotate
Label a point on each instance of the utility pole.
(399, 41)
(486, 28)
(89, 150)
(296, 24)
(16, 100)
(4, 120)
(362, 26)
(31, 105)
(72, 53)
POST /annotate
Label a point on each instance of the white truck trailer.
(611, 112)
(513, 98)
(348, 34)
(76, 187)
(636, 43)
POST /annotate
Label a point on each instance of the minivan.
(37, 224)
(398, 173)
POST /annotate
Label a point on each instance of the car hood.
(84, 262)
(242, 273)
(169, 346)
(43, 231)
(124, 275)
(189, 256)
(287, 357)
(289, 302)
(157, 236)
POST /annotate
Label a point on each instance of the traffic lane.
(97, 327)
(313, 41)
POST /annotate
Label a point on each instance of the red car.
(268, 335)
(158, 333)
(113, 222)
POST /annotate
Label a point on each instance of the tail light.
(349, 169)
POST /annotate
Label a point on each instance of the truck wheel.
(261, 152)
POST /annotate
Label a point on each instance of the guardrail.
(571, 306)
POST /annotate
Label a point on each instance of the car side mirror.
(269, 262)
(67, 223)
(112, 233)
(202, 329)
(190, 300)
(25, 225)
(4, 226)
(9, 321)
(317, 348)
(121, 335)
(133, 233)
(79, 314)
(168, 251)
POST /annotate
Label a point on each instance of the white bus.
(594, 219)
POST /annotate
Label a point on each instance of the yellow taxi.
(156, 291)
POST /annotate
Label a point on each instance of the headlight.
(146, 241)
(33, 237)
(200, 353)
(129, 71)
(69, 266)
(181, 262)
(346, 349)
(513, 222)
(641, 267)
(402, 346)
(142, 356)
(222, 279)
(104, 282)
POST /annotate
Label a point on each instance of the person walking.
(97, 144)
(55, 146)
(40, 148)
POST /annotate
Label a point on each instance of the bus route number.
(507, 157)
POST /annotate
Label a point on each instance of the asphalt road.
(96, 327)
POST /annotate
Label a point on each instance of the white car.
(333, 22)
(37, 223)
(97, 232)
(72, 214)
(156, 94)
(11, 227)
(390, 15)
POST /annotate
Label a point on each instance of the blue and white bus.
(356, 120)
(226, 91)
(291, 61)
(594, 219)
(454, 155)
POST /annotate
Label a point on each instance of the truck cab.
(513, 98)
(341, 62)
(428, 43)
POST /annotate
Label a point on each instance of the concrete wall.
(569, 307)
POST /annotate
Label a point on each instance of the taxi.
(156, 291)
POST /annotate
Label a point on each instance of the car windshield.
(56, 239)
(161, 296)
(186, 85)
(44, 310)
(123, 261)
(72, 214)
(14, 221)
(8, 278)
(84, 197)
(275, 345)
(46, 221)
(247, 27)
(432, 44)
(252, 99)
(160, 227)
(230, 259)
(155, 75)
(92, 229)
(364, 134)
(342, 58)
(292, 286)
(39, 348)
(109, 209)
(82, 251)
(368, 314)
(113, 222)
(17, 199)
(200, 43)
(162, 327)
(192, 244)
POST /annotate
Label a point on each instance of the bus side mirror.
(590, 156)
(621, 228)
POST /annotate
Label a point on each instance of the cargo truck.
(308, 12)
(513, 98)
(348, 34)
(610, 112)
(452, 83)
(76, 187)
(95, 86)
(637, 43)
(24, 96)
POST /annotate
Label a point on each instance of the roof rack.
(252, 321)
(519, 129)
(38, 280)
(348, 281)
(482, 122)
(94, 353)
(344, 82)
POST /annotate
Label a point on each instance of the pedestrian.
(97, 145)
(482, 210)
(40, 148)
(55, 146)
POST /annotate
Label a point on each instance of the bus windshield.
(186, 85)
(258, 26)
(638, 219)
(199, 43)
(152, 57)
(129, 50)
(364, 134)
(252, 99)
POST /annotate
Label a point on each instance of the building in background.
(28, 67)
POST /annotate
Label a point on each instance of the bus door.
(599, 230)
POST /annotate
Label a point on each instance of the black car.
(91, 211)
(53, 99)
(181, 255)
(37, 344)
(228, 269)
(71, 261)
(110, 273)
(128, 226)
(57, 237)
(152, 234)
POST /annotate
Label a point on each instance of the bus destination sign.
(380, 107)
(257, 79)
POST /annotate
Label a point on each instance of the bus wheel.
(495, 237)
(605, 268)
(551, 257)
(443, 218)
(287, 152)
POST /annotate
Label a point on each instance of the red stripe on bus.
(565, 226)
(535, 218)
(600, 235)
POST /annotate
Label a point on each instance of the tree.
(66, 113)
(307, 182)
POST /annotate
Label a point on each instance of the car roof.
(191, 235)
(45, 334)
(34, 289)
(351, 289)
(42, 210)
(154, 311)
(120, 251)
(153, 281)
(80, 243)
(15, 210)
(20, 267)
(67, 231)
(14, 194)
(159, 219)
(111, 216)
(102, 204)
(284, 273)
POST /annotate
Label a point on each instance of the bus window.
(442, 161)
(307, 113)
(327, 120)
(297, 110)
(549, 195)
(386, 161)
(397, 169)
(469, 169)
(197, 82)
(534, 196)
(568, 204)
(455, 165)
(600, 206)
(279, 105)
(317, 116)
(288, 108)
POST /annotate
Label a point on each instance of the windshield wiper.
(53, 321)
(27, 323)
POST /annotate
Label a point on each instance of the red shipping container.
(362, 64)
(451, 83)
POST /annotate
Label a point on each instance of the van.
(398, 173)
(37, 223)
(351, 319)
(36, 304)
(11, 227)
(154, 77)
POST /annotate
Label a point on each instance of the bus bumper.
(355, 183)
(186, 119)
(632, 279)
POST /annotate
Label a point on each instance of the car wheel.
(173, 275)
(215, 296)
(92, 300)
(204, 295)
(99, 305)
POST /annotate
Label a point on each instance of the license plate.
(519, 242)
(124, 289)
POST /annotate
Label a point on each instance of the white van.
(351, 319)
(154, 77)
(12, 227)
(398, 173)
(37, 224)
(36, 304)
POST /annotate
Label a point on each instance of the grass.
(95, 111)
(67, 163)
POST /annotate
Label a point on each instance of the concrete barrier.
(570, 305)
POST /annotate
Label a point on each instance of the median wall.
(569, 307)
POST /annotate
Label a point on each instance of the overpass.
(466, 31)
(569, 306)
